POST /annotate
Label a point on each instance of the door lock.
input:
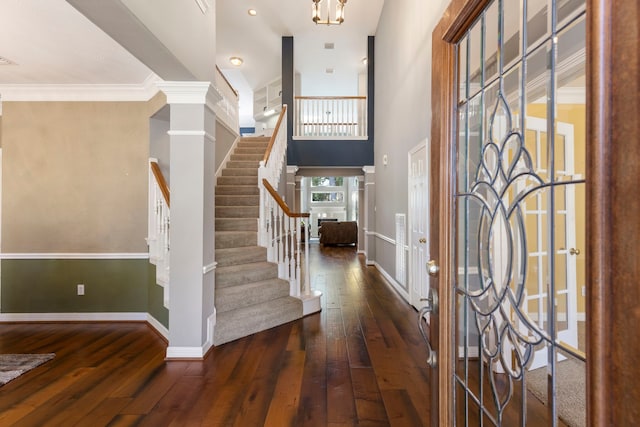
(432, 268)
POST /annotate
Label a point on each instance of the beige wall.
(224, 142)
(75, 176)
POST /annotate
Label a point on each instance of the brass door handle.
(422, 240)
(432, 268)
(574, 251)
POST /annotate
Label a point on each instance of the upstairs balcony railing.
(327, 117)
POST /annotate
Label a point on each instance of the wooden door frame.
(613, 178)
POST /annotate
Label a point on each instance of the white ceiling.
(50, 43)
(258, 39)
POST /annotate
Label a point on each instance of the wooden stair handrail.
(275, 133)
(283, 205)
(227, 81)
(162, 183)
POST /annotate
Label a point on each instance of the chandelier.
(317, 13)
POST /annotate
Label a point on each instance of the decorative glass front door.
(519, 206)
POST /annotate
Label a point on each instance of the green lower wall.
(155, 295)
(49, 286)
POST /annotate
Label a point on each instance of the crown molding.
(82, 92)
(190, 92)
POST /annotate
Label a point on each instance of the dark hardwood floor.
(358, 362)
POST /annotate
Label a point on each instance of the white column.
(192, 165)
(369, 214)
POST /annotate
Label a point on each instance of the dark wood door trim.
(457, 18)
(613, 224)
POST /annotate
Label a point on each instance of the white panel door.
(418, 223)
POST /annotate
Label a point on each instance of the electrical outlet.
(80, 289)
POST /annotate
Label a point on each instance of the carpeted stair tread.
(237, 200)
(242, 164)
(236, 239)
(240, 172)
(247, 294)
(240, 157)
(237, 212)
(238, 180)
(245, 273)
(236, 190)
(236, 224)
(245, 321)
(250, 150)
(242, 255)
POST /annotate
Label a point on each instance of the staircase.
(249, 296)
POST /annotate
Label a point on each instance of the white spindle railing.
(323, 117)
(158, 228)
(227, 108)
(279, 230)
(283, 234)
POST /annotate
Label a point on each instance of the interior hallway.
(360, 361)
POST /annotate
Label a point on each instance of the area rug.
(14, 365)
(571, 392)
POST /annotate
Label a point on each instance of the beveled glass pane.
(567, 9)
(474, 149)
(463, 170)
(491, 42)
(462, 356)
(537, 98)
(562, 311)
(538, 22)
(475, 58)
(513, 93)
(462, 69)
(512, 42)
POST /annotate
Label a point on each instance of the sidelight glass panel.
(520, 211)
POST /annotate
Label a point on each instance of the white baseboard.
(187, 352)
(159, 327)
(73, 317)
(394, 284)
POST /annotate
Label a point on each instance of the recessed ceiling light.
(236, 60)
(329, 45)
(329, 70)
(252, 12)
